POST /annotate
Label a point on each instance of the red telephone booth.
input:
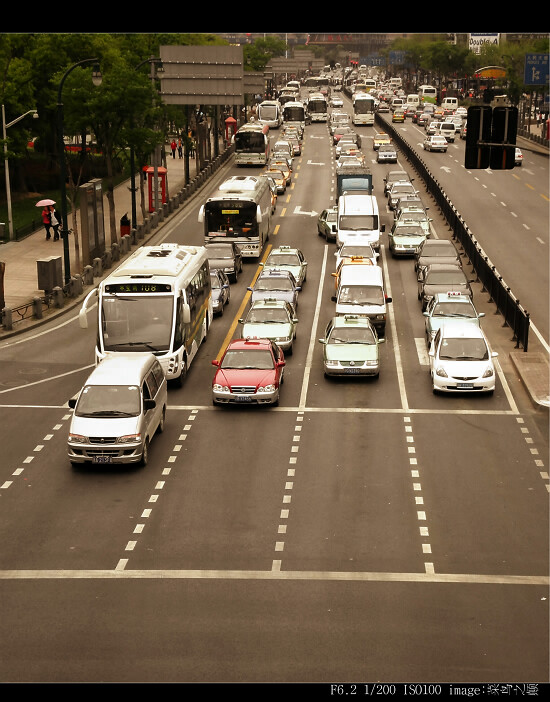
(149, 172)
(230, 129)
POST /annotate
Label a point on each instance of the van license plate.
(102, 459)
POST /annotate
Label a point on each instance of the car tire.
(162, 421)
(144, 454)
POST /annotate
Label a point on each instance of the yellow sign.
(491, 72)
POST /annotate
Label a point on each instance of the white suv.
(447, 129)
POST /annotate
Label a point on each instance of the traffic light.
(478, 129)
(491, 137)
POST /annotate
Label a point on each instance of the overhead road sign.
(536, 70)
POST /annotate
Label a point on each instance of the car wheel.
(144, 454)
(162, 421)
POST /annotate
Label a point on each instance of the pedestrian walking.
(56, 221)
(180, 148)
(47, 221)
(173, 146)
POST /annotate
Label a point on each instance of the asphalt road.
(364, 530)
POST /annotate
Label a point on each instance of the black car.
(436, 251)
(441, 278)
(225, 256)
(221, 290)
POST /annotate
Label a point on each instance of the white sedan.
(435, 142)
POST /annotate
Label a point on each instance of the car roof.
(453, 296)
(461, 329)
(120, 369)
(248, 344)
(270, 302)
(349, 320)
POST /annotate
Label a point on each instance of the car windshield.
(109, 401)
(349, 250)
(283, 260)
(265, 316)
(248, 358)
(358, 222)
(361, 295)
(453, 309)
(445, 278)
(351, 335)
(409, 230)
(215, 282)
(439, 251)
(463, 350)
(415, 216)
(273, 284)
(213, 251)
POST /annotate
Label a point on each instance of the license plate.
(353, 370)
(243, 398)
(101, 459)
(465, 386)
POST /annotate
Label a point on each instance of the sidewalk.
(20, 257)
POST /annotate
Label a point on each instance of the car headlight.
(488, 373)
(441, 372)
(220, 388)
(372, 363)
(332, 364)
(380, 316)
(78, 439)
(128, 439)
(266, 388)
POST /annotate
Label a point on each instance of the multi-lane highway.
(364, 530)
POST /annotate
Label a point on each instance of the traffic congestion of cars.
(251, 370)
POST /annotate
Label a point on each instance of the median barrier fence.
(507, 304)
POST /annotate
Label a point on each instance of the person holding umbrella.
(55, 219)
(47, 216)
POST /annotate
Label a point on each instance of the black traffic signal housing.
(491, 137)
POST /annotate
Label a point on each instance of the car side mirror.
(215, 362)
(426, 314)
(388, 299)
(322, 341)
(72, 402)
(333, 298)
(280, 364)
(481, 314)
(149, 405)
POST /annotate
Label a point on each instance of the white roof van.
(361, 291)
(358, 216)
(118, 411)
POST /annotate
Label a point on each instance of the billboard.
(477, 39)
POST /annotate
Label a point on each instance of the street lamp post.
(133, 188)
(6, 166)
(96, 80)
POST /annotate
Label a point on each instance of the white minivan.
(449, 105)
(358, 216)
(118, 411)
(361, 291)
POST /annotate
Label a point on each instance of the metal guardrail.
(34, 309)
(515, 316)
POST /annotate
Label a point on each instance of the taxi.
(271, 319)
(398, 115)
(278, 284)
(278, 178)
(405, 238)
(379, 139)
(351, 261)
(249, 372)
(461, 359)
(449, 306)
(282, 165)
(351, 347)
(287, 258)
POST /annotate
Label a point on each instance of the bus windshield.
(294, 113)
(317, 106)
(233, 217)
(364, 105)
(138, 323)
(250, 141)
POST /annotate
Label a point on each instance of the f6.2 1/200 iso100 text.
(339, 689)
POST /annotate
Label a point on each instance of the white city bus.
(239, 211)
(158, 301)
(252, 144)
(427, 93)
(364, 107)
(317, 107)
(270, 113)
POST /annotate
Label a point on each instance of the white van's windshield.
(361, 295)
(358, 222)
(109, 401)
